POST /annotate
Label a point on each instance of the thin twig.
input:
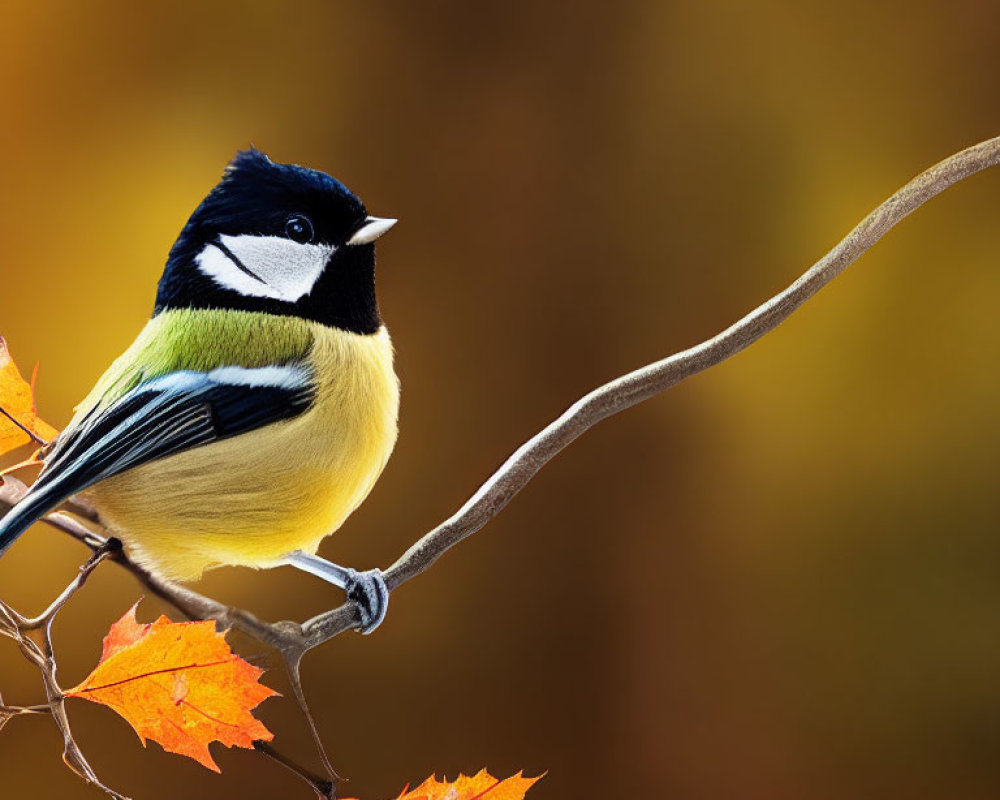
(19, 628)
(293, 668)
(44, 708)
(45, 619)
(325, 788)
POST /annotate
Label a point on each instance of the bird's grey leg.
(366, 589)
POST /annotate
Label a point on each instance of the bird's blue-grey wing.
(158, 418)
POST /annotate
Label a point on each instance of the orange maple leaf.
(481, 786)
(19, 420)
(179, 684)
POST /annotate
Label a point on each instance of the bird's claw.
(367, 590)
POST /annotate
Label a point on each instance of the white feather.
(286, 270)
(280, 376)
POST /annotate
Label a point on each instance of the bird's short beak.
(372, 228)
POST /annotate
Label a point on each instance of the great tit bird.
(258, 406)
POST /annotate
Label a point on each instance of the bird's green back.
(200, 340)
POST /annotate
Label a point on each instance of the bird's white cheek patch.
(272, 265)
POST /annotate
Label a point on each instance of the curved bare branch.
(633, 388)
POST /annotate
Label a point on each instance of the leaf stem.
(34, 436)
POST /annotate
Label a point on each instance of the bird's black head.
(279, 239)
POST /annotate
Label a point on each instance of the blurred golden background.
(779, 580)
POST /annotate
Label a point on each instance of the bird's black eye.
(299, 229)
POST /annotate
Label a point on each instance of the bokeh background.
(780, 580)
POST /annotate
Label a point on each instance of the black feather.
(152, 421)
(256, 196)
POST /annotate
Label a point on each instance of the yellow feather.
(251, 499)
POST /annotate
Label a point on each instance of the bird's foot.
(367, 590)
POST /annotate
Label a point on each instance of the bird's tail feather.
(30, 507)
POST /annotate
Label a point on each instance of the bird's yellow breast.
(253, 498)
